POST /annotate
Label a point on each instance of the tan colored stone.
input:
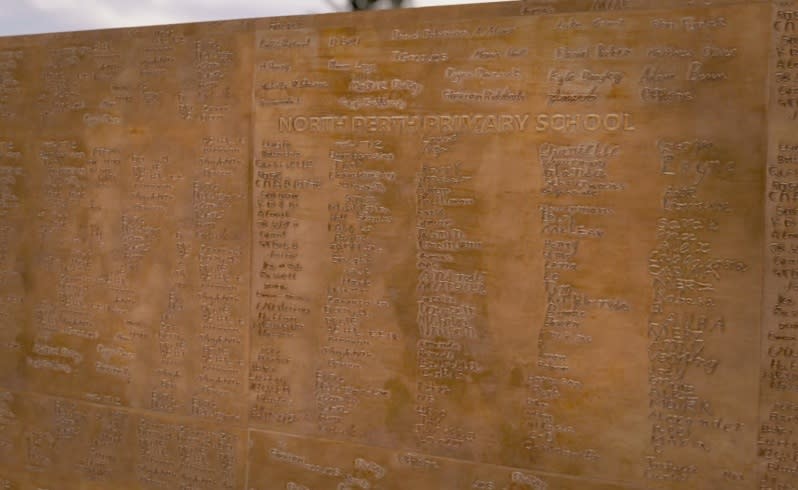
(52, 442)
(134, 159)
(474, 248)
(290, 462)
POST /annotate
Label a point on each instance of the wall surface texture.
(514, 246)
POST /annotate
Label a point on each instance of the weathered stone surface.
(282, 461)
(127, 167)
(473, 247)
(52, 442)
(547, 7)
(778, 432)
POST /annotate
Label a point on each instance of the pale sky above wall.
(36, 16)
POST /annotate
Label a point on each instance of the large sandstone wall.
(523, 245)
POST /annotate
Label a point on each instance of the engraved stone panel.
(778, 430)
(16, 67)
(522, 160)
(526, 245)
(295, 463)
(59, 443)
(138, 248)
(543, 7)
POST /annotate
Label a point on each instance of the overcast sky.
(35, 16)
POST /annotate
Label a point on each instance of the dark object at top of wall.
(367, 4)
